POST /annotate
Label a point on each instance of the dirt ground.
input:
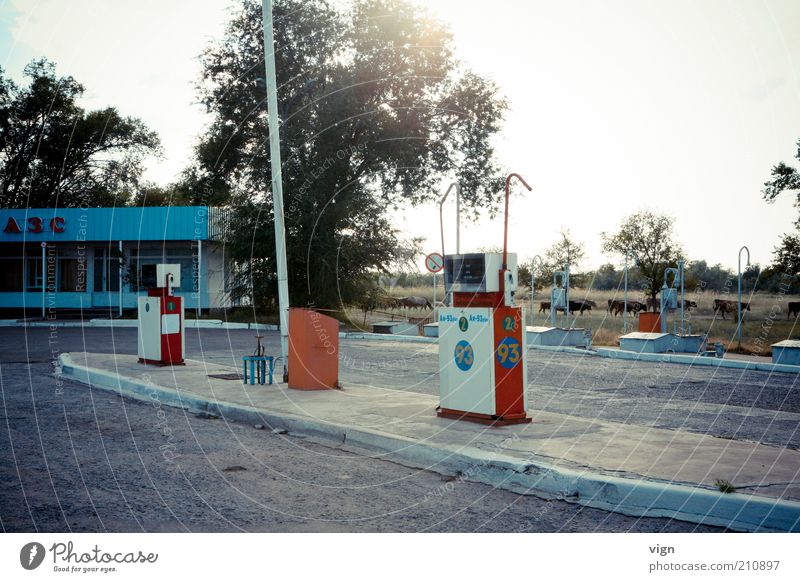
(75, 459)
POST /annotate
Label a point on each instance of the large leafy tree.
(565, 251)
(651, 239)
(786, 178)
(54, 153)
(374, 111)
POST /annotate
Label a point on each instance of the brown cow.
(794, 307)
(544, 306)
(724, 306)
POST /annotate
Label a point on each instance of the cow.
(724, 306)
(617, 306)
(794, 307)
(413, 302)
(585, 305)
(688, 305)
(653, 304)
(581, 306)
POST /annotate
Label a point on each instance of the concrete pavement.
(625, 468)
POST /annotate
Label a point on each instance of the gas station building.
(92, 258)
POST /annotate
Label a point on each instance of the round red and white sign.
(434, 262)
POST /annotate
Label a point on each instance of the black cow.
(618, 306)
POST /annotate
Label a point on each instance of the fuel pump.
(559, 296)
(161, 340)
(482, 340)
(669, 294)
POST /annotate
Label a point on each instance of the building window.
(106, 271)
(33, 274)
(10, 274)
(169, 255)
(71, 270)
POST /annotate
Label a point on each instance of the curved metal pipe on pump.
(505, 224)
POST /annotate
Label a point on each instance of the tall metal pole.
(566, 297)
(458, 218)
(683, 315)
(277, 182)
(505, 222)
(458, 215)
(433, 317)
(199, 278)
(458, 230)
(121, 257)
(625, 297)
(44, 270)
(739, 302)
(533, 281)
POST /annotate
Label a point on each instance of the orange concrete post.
(313, 350)
(649, 322)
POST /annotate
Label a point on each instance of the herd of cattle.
(615, 306)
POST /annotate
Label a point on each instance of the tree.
(709, 278)
(565, 251)
(374, 111)
(606, 277)
(53, 153)
(650, 238)
(786, 256)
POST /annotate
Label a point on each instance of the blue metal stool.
(258, 368)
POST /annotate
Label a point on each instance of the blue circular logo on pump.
(464, 355)
(508, 352)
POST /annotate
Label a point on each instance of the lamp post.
(277, 181)
(533, 280)
(739, 302)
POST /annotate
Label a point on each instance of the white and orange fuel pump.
(482, 343)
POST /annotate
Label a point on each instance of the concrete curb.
(685, 359)
(634, 497)
(128, 323)
(694, 360)
(357, 335)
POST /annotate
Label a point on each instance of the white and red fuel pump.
(482, 343)
(161, 340)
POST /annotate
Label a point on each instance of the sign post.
(434, 262)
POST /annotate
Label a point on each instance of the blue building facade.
(91, 258)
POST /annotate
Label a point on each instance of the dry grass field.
(765, 323)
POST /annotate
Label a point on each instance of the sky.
(679, 107)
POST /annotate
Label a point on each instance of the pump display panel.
(466, 272)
